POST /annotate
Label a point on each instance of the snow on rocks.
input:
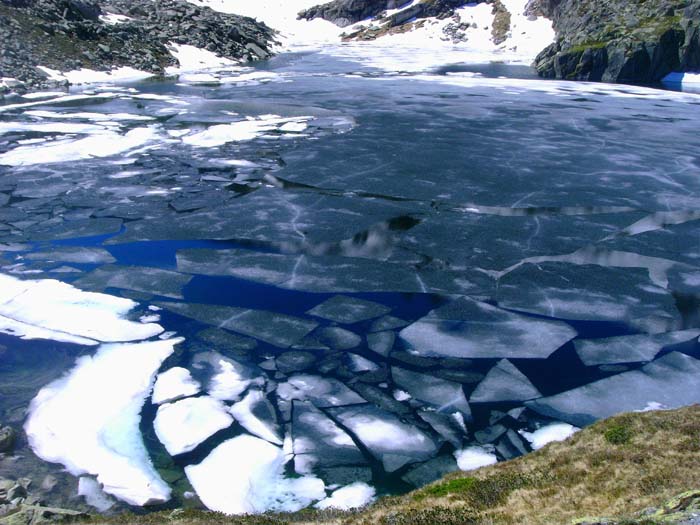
(50, 309)
(245, 475)
(184, 424)
(351, 496)
(549, 434)
(89, 420)
(173, 384)
(471, 329)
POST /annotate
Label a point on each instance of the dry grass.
(616, 467)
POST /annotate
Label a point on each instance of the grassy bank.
(616, 468)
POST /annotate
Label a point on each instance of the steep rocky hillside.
(74, 34)
(620, 40)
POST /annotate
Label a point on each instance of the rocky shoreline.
(618, 41)
(68, 35)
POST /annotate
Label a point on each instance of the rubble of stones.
(73, 34)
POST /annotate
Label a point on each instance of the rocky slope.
(620, 40)
(347, 12)
(73, 34)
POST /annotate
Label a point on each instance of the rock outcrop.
(73, 34)
(618, 40)
(347, 12)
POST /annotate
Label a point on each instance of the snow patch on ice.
(245, 475)
(89, 420)
(174, 384)
(50, 309)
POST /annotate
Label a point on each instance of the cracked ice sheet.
(138, 278)
(386, 437)
(470, 329)
(319, 441)
(89, 420)
(672, 381)
(274, 328)
(329, 273)
(245, 475)
(174, 384)
(628, 348)
(496, 242)
(305, 220)
(50, 309)
(589, 292)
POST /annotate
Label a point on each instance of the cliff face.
(620, 40)
(72, 34)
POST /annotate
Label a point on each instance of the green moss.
(618, 435)
(592, 44)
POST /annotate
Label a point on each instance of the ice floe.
(318, 441)
(50, 309)
(242, 130)
(256, 414)
(444, 396)
(504, 382)
(245, 475)
(173, 384)
(672, 380)
(184, 424)
(385, 436)
(89, 420)
(549, 434)
(348, 310)
(471, 329)
(229, 378)
(321, 391)
(628, 348)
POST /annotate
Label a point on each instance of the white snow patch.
(240, 131)
(472, 458)
(54, 310)
(192, 58)
(114, 19)
(245, 475)
(89, 420)
(103, 144)
(548, 434)
(352, 496)
(88, 76)
(174, 384)
(93, 494)
(183, 425)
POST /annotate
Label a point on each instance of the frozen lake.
(344, 281)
